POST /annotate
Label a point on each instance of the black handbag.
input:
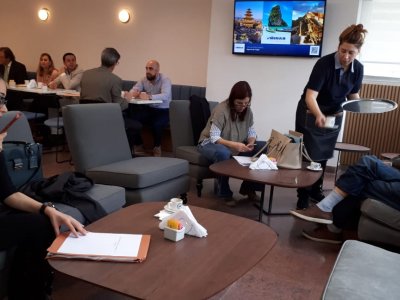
(23, 161)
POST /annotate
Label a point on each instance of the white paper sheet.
(111, 244)
(243, 160)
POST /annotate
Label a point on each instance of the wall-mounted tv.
(278, 27)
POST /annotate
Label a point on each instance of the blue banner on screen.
(288, 28)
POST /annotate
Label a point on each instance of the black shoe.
(302, 203)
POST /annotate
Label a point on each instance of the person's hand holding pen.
(251, 146)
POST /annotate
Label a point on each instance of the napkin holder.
(174, 234)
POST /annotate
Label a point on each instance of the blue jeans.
(371, 178)
(216, 153)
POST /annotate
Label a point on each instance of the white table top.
(59, 92)
(139, 101)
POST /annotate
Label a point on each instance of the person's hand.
(144, 96)
(320, 120)
(58, 218)
(240, 147)
(250, 146)
(52, 85)
(128, 95)
(135, 93)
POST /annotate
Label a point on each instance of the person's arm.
(22, 202)
(166, 90)
(354, 96)
(215, 136)
(54, 75)
(312, 105)
(71, 82)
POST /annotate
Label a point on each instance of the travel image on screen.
(278, 27)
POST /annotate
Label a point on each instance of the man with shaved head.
(155, 86)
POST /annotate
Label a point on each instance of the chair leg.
(199, 186)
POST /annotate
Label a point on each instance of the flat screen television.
(278, 27)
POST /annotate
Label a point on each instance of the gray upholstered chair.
(99, 148)
(111, 198)
(379, 223)
(363, 271)
(183, 143)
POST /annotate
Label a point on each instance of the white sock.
(329, 202)
(334, 229)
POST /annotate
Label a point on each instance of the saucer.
(308, 167)
(166, 207)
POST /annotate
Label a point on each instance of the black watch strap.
(44, 205)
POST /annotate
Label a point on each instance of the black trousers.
(30, 235)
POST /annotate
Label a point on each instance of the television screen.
(278, 27)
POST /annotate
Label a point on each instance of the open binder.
(115, 247)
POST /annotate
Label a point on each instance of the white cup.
(12, 83)
(175, 203)
(315, 165)
(26, 82)
(44, 88)
(40, 85)
(330, 121)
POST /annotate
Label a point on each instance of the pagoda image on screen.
(247, 29)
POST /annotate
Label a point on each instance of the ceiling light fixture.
(124, 16)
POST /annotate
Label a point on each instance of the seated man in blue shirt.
(155, 86)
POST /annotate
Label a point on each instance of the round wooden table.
(283, 178)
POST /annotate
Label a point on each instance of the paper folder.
(101, 247)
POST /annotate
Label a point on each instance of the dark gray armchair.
(99, 148)
(379, 223)
(183, 143)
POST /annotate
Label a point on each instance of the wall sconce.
(124, 16)
(43, 14)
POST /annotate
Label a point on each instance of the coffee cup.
(26, 82)
(175, 203)
(315, 165)
(44, 88)
(40, 85)
(329, 121)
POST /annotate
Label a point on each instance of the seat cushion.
(381, 213)
(111, 198)
(363, 271)
(191, 154)
(139, 172)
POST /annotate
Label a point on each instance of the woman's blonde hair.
(40, 69)
(354, 34)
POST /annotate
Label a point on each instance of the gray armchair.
(111, 198)
(379, 223)
(99, 148)
(183, 143)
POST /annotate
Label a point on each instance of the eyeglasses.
(242, 104)
(3, 101)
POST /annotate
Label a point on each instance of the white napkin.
(32, 84)
(263, 163)
(185, 216)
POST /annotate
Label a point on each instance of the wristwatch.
(44, 205)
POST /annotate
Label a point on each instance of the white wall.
(176, 32)
(277, 82)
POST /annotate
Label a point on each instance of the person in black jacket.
(10, 69)
(28, 226)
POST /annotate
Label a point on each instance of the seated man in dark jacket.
(369, 178)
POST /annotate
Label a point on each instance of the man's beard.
(150, 77)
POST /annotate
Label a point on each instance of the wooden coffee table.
(282, 178)
(192, 267)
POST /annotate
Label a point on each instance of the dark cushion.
(139, 172)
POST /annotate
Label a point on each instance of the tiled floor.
(295, 268)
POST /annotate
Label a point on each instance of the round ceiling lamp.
(124, 16)
(43, 14)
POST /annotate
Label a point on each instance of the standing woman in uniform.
(335, 78)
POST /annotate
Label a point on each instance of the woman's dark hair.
(240, 90)
(354, 34)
